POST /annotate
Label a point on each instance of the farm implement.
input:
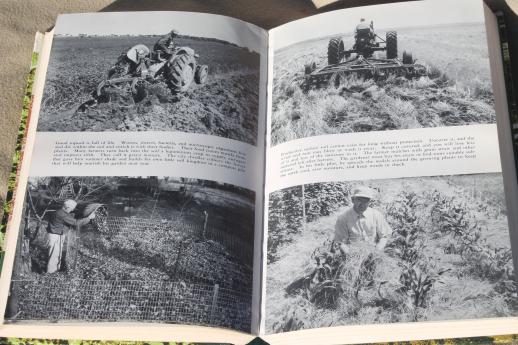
(359, 60)
(139, 67)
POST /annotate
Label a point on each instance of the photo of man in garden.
(389, 250)
(360, 222)
(58, 226)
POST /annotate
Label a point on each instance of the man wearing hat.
(59, 224)
(165, 45)
(361, 222)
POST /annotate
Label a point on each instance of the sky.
(160, 23)
(395, 15)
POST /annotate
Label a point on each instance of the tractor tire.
(335, 51)
(139, 90)
(391, 40)
(200, 76)
(180, 73)
(407, 58)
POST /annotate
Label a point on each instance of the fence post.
(214, 303)
(175, 272)
(204, 234)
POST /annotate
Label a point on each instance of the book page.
(386, 201)
(142, 201)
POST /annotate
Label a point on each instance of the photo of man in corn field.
(361, 222)
(434, 248)
(152, 249)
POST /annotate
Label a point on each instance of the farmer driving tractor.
(361, 222)
(165, 45)
(364, 37)
(364, 30)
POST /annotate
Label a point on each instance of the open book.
(345, 178)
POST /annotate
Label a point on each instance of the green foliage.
(20, 140)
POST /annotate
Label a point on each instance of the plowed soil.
(226, 105)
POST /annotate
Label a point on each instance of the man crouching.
(361, 222)
(59, 224)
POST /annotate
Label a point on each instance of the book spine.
(508, 77)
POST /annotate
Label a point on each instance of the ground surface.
(226, 105)
(456, 91)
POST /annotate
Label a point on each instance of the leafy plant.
(406, 237)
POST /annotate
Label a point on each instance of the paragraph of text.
(107, 153)
(376, 154)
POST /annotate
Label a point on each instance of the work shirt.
(164, 44)
(363, 26)
(60, 221)
(370, 226)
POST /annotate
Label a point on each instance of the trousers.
(55, 245)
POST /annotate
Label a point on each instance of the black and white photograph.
(149, 249)
(384, 71)
(387, 251)
(167, 80)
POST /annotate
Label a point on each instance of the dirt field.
(226, 105)
(456, 91)
(448, 257)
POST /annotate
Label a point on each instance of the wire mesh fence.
(235, 246)
(130, 300)
(138, 269)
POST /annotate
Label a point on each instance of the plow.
(361, 61)
(139, 68)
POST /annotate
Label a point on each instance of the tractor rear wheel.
(335, 51)
(391, 40)
(407, 58)
(180, 73)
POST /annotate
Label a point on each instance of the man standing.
(361, 223)
(59, 224)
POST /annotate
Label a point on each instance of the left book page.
(140, 197)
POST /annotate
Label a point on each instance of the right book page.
(384, 185)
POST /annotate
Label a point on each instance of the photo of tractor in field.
(173, 81)
(362, 78)
(360, 60)
(139, 67)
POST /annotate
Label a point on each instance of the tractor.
(360, 60)
(139, 67)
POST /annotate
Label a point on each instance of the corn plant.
(416, 281)
(406, 237)
(323, 285)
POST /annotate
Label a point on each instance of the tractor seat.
(363, 32)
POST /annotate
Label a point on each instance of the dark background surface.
(19, 20)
